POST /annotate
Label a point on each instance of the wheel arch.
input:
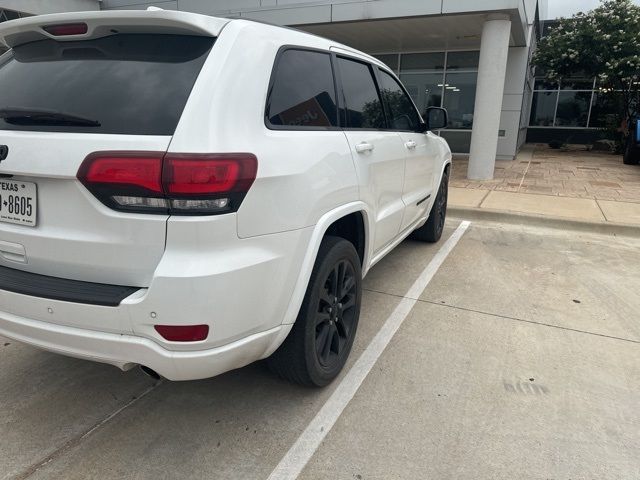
(319, 232)
(326, 225)
(351, 227)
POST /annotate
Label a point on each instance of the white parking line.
(306, 445)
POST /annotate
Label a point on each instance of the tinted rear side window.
(402, 113)
(129, 84)
(364, 109)
(303, 94)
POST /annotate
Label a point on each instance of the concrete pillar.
(494, 50)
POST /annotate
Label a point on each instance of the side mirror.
(436, 118)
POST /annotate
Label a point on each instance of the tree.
(603, 43)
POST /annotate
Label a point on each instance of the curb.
(535, 220)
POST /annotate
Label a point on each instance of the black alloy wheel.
(336, 314)
(442, 201)
(431, 231)
(320, 341)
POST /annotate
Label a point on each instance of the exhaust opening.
(150, 373)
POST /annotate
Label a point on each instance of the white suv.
(191, 194)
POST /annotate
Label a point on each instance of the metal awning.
(430, 33)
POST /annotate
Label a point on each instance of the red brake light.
(209, 174)
(177, 184)
(66, 29)
(182, 333)
(135, 169)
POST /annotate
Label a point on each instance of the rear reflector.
(66, 29)
(177, 184)
(182, 333)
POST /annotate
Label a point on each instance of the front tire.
(319, 344)
(431, 231)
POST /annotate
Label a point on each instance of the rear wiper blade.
(27, 116)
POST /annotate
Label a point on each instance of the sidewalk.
(541, 184)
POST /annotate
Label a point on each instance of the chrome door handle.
(364, 147)
(411, 145)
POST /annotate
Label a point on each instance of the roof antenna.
(155, 9)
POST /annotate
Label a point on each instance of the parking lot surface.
(521, 359)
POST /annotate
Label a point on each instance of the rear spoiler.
(105, 23)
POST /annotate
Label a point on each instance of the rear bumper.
(126, 351)
(242, 288)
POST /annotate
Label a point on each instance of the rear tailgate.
(123, 92)
(75, 236)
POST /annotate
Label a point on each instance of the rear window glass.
(303, 93)
(122, 84)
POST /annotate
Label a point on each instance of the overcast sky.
(565, 8)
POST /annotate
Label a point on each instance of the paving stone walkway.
(576, 185)
(576, 173)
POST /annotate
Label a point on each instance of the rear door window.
(362, 102)
(123, 84)
(400, 109)
(303, 94)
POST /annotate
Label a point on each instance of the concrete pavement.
(568, 208)
(520, 360)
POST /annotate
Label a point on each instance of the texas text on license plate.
(18, 202)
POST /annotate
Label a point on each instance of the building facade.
(471, 57)
(572, 110)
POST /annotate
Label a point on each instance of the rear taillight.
(66, 29)
(176, 184)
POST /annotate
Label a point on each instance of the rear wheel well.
(351, 228)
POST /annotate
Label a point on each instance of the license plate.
(18, 202)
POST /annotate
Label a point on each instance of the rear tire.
(319, 344)
(431, 231)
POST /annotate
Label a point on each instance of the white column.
(494, 50)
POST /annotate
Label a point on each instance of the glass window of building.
(463, 60)
(543, 109)
(422, 61)
(425, 89)
(430, 84)
(605, 110)
(544, 84)
(576, 84)
(392, 61)
(573, 109)
(458, 141)
(572, 103)
(460, 99)
(444, 79)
